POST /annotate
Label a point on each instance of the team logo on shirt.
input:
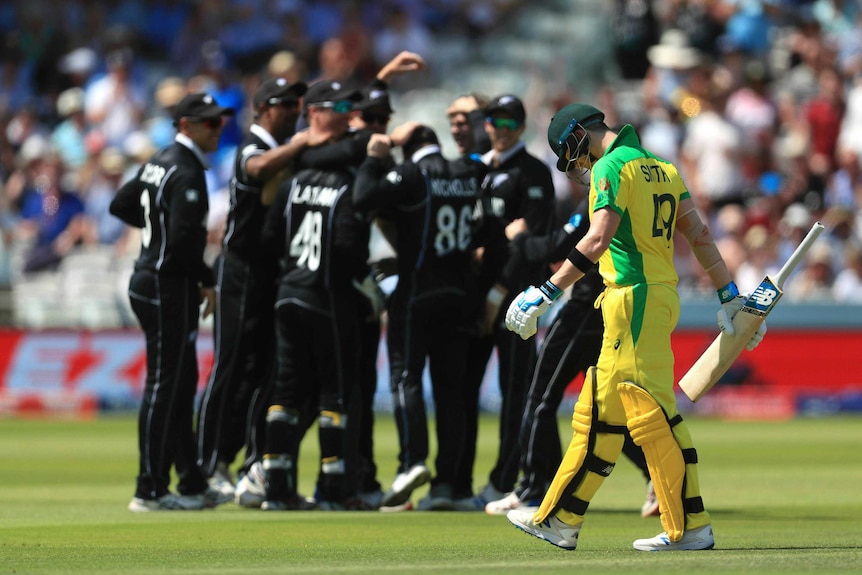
(192, 196)
(604, 185)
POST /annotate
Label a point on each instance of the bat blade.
(719, 356)
(724, 349)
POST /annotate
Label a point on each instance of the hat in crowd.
(275, 89)
(200, 105)
(796, 216)
(674, 51)
(330, 91)
(375, 97)
(79, 61)
(507, 104)
(583, 114)
(70, 101)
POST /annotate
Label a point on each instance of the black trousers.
(244, 346)
(366, 466)
(572, 344)
(428, 324)
(167, 309)
(318, 351)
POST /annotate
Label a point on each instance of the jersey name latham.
(314, 195)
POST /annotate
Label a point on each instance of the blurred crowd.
(759, 103)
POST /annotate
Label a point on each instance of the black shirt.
(168, 199)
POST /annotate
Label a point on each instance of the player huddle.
(298, 310)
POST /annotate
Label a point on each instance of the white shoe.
(293, 503)
(167, 502)
(551, 529)
(405, 483)
(466, 504)
(406, 506)
(250, 490)
(488, 494)
(694, 540)
(371, 499)
(439, 498)
(650, 506)
(510, 502)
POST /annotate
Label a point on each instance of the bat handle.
(798, 254)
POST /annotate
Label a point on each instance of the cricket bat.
(724, 350)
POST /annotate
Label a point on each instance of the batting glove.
(727, 312)
(731, 303)
(756, 338)
(523, 314)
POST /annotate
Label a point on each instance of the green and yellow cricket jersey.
(645, 191)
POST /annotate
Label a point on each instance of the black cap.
(375, 97)
(330, 91)
(509, 105)
(200, 105)
(273, 90)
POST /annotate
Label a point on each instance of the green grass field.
(785, 498)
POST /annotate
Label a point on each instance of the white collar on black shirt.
(261, 133)
(488, 157)
(188, 143)
(425, 151)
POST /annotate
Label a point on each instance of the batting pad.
(588, 460)
(650, 430)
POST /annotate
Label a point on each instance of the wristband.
(580, 261)
(728, 292)
(550, 290)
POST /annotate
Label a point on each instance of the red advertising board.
(80, 372)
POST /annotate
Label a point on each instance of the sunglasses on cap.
(501, 123)
(371, 118)
(340, 107)
(211, 123)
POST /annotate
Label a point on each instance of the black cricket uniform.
(351, 151)
(571, 345)
(431, 202)
(519, 187)
(168, 200)
(324, 249)
(244, 327)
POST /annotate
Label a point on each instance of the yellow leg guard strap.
(588, 460)
(650, 430)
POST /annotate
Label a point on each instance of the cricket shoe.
(293, 503)
(167, 502)
(439, 498)
(406, 506)
(650, 506)
(215, 497)
(551, 529)
(404, 485)
(693, 540)
(371, 499)
(250, 490)
(488, 494)
(510, 502)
